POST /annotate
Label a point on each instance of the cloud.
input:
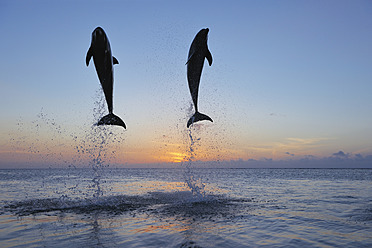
(283, 146)
(316, 142)
(335, 160)
(338, 159)
(341, 154)
(290, 154)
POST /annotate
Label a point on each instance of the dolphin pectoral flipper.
(115, 61)
(188, 60)
(111, 119)
(89, 56)
(198, 117)
(209, 57)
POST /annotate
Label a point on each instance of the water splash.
(96, 144)
(193, 181)
(49, 142)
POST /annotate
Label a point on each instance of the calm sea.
(186, 208)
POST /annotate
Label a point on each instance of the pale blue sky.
(287, 76)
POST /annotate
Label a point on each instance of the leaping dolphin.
(103, 60)
(198, 52)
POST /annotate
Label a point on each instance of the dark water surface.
(155, 208)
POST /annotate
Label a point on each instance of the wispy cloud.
(335, 160)
(288, 146)
(313, 142)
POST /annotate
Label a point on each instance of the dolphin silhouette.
(197, 53)
(103, 60)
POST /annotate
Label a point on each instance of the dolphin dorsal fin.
(209, 57)
(115, 61)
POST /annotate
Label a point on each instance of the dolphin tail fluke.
(111, 119)
(198, 117)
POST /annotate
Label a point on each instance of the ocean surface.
(186, 208)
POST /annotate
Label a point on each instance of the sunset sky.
(290, 80)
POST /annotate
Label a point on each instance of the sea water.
(156, 208)
(185, 206)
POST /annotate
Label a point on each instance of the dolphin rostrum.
(103, 60)
(198, 52)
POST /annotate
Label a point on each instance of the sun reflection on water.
(154, 228)
(144, 187)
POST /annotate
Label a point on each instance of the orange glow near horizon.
(39, 142)
(62, 149)
(73, 151)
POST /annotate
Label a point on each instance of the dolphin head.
(98, 36)
(202, 35)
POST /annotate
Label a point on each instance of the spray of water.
(193, 181)
(96, 144)
(49, 142)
